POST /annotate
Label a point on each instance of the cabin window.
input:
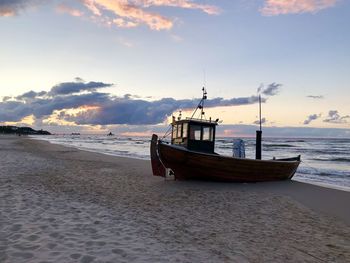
(195, 132)
(207, 134)
(174, 131)
(179, 128)
(184, 130)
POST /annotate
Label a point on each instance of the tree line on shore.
(22, 131)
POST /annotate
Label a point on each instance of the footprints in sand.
(120, 252)
(15, 227)
(87, 259)
(67, 231)
(22, 255)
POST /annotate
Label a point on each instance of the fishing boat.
(190, 155)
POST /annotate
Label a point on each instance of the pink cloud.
(7, 12)
(188, 4)
(14, 7)
(62, 8)
(282, 7)
(128, 15)
(121, 13)
(133, 13)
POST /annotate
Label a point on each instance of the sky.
(126, 66)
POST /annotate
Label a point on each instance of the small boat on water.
(191, 155)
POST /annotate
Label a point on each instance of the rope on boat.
(167, 133)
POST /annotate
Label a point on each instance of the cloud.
(13, 7)
(315, 96)
(12, 111)
(271, 90)
(81, 103)
(263, 121)
(61, 96)
(133, 13)
(6, 98)
(311, 118)
(123, 110)
(121, 13)
(30, 95)
(62, 8)
(282, 7)
(209, 9)
(334, 117)
(127, 14)
(75, 87)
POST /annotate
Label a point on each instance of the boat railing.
(201, 120)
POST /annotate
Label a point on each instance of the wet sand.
(60, 204)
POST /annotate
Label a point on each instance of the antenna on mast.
(204, 79)
(260, 111)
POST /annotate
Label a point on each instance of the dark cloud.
(78, 79)
(14, 111)
(311, 118)
(271, 90)
(263, 121)
(102, 108)
(44, 103)
(135, 111)
(12, 7)
(334, 117)
(315, 96)
(31, 95)
(131, 96)
(6, 98)
(76, 87)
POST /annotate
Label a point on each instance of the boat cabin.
(194, 134)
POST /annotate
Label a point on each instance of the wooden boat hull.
(195, 165)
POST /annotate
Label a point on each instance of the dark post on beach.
(258, 145)
(258, 135)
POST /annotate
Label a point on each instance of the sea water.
(324, 161)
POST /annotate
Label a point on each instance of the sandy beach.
(60, 204)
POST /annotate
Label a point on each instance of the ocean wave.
(345, 160)
(279, 145)
(323, 151)
(322, 172)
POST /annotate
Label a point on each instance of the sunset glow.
(128, 66)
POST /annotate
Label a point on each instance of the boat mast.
(201, 104)
(260, 110)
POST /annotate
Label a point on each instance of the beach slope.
(60, 204)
